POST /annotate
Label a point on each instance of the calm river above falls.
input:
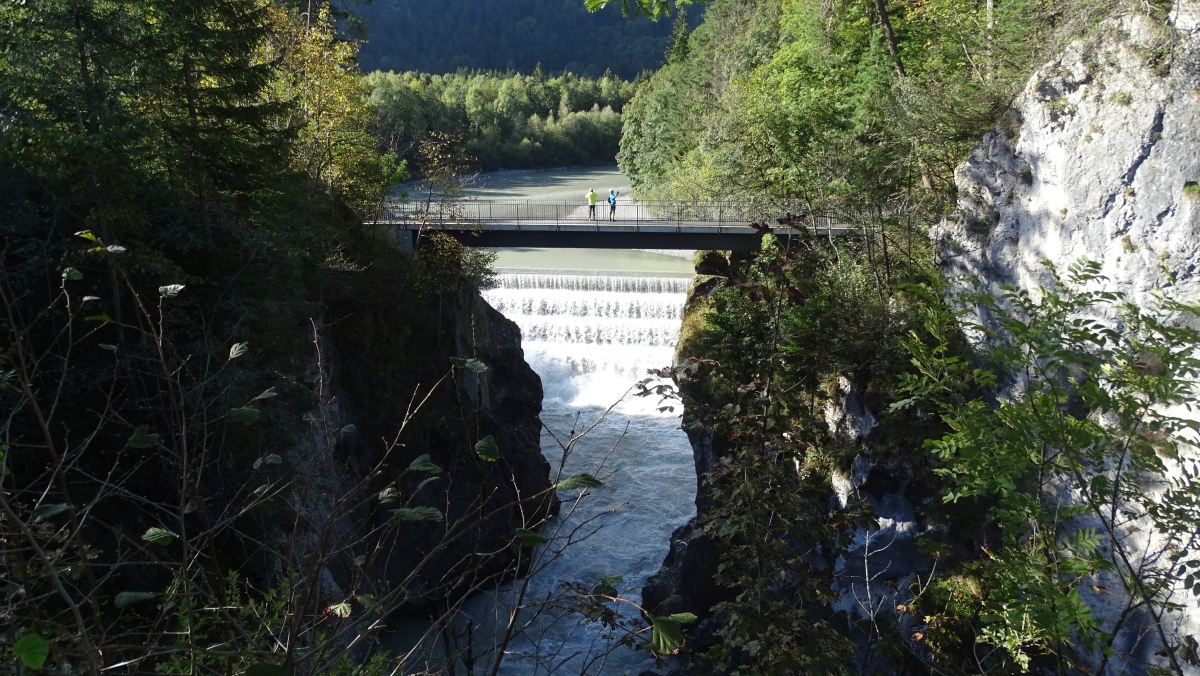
(592, 323)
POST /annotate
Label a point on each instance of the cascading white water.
(591, 337)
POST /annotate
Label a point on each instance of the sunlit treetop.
(655, 9)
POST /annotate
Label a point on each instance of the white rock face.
(1098, 158)
(1092, 161)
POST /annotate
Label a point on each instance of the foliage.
(331, 116)
(509, 35)
(1089, 459)
(836, 103)
(777, 328)
(505, 121)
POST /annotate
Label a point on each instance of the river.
(592, 323)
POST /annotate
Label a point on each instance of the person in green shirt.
(591, 204)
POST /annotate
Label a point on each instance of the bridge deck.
(642, 225)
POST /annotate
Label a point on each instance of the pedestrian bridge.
(735, 226)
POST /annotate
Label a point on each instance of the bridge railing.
(649, 212)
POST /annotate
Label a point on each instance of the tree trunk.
(890, 35)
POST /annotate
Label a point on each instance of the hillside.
(509, 35)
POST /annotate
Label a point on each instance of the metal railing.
(471, 213)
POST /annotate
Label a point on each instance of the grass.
(1191, 190)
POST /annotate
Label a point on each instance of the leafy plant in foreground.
(1087, 457)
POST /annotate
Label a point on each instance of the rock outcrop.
(372, 371)
(1099, 158)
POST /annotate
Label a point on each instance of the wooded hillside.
(502, 35)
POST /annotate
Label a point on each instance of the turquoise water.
(566, 185)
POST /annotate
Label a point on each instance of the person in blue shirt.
(612, 205)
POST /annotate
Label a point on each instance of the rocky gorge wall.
(1099, 157)
(376, 366)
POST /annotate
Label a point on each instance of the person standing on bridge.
(591, 204)
(612, 205)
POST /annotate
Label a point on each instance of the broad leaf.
(530, 538)
(142, 438)
(341, 610)
(126, 598)
(238, 350)
(87, 234)
(488, 449)
(32, 650)
(244, 415)
(426, 481)
(270, 392)
(667, 635)
(159, 536)
(424, 464)
(348, 429)
(170, 290)
(268, 459)
(578, 481)
(45, 511)
(683, 618)
(608, 585)
(472, 365)
(417, 514)
(108, 346)
(71, 274)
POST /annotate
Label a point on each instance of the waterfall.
(591, 337)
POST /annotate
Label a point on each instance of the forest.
(865, 109)
(241, 429)
(499, 121)
(509, 35)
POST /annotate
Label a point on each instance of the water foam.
(590, 338)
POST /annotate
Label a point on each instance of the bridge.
(735, 226)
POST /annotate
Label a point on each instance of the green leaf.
(32, 650)
(426, 481)
(44, 511)
(71, 274)
(389, 494)
(191, 506)
(424, 464)
(417, 514)
(127, 598)
(142, 438)
(578, 481)
(244, 415)
(360, 560)
(683, 618)
(170, 290)
(472, 365)
(87, 234)
(667, 635)
(118, 249)
(530, 538)
(608, 585)
(348, 429)
(488, 449)
(97, 318)
(270, 392)
(341, 610)
(159, 536)
(268, 459)
(264, 669)
(238, 350)
(108, 346)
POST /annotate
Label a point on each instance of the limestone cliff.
(1098, 158)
